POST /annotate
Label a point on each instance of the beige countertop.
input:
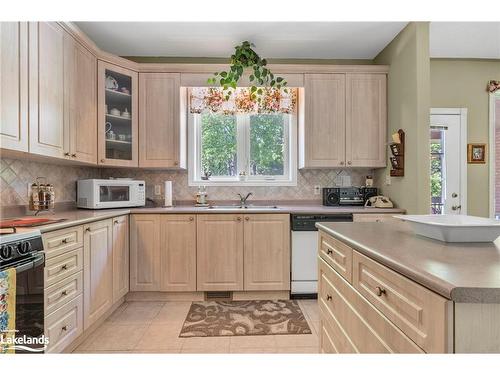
(462, 272)
(82, 216)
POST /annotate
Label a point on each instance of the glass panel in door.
(118, 112)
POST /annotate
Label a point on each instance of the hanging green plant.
(245, 57)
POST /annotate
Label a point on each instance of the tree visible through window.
(256, 146)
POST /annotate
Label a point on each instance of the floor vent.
(218, 296)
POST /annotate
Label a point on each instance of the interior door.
(446, 159)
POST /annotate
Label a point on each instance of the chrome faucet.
(243, 200)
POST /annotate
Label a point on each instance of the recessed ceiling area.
(300, 40)
(478, 40)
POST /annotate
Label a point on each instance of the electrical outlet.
(388, 179)
(317, 190)
(157, 189)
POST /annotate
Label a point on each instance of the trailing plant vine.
(245, 57)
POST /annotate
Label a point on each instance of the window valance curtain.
(493, 86)
(272, 100)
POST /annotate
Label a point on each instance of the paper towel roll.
(168, 193)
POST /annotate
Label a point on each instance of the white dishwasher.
(305, 251)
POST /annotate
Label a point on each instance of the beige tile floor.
(154, 327)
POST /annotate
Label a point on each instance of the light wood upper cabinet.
(178, 253)
(219, 252)
(97, 270)
(267, 252)
(48, 130)
(117, 125)
(366, 120)
(145, 252)
(121, 256)
(81, 101)
(162, 136)
(322, 131)
(14, 86)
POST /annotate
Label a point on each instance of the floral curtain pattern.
(272, 100)
(493, 86)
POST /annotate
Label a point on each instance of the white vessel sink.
(454, 228)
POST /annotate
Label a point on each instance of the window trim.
(194, 162)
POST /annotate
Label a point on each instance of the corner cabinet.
(344, 121)
(162, 127)
(14, 86)
(117, 103)
(62, 95)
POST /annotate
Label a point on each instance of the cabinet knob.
(247, 218)
(176, 163)
(87, 229)
(380, 291)
(115, 222)
(341, 163)
(102, 160)
(329, 251)
(66, 154)
(73, 155)
(191, 218)
(64, 267)
(238, 218)
(64, 328)
(64, 293)
(64, 240)
(328, 297)
(349, 162)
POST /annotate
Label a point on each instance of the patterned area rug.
(244, 318)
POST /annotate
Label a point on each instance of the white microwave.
(96, 194)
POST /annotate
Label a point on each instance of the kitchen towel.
(7, 309)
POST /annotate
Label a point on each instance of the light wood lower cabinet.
(367, 308)
(178, 253)
(64, 325)
(97, 270)
(145, 250)
(266, 252)
(219, 252)
(121, 257)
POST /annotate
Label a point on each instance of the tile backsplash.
(16, 175)
(306, 180)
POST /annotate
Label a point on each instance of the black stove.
(24, 253)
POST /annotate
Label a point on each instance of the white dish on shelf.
(454, 228)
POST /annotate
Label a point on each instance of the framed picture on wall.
(476, 153)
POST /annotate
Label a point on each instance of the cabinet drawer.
(60, 241)
(62, 266)
(62, 292)
(418, 312)
(336, 254)
(333, 339)
(64, 325)
(364, 329)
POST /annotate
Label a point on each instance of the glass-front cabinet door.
(117, 110)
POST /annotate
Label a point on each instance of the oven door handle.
(38, 260)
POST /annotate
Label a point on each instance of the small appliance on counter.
(347, 196)
(168, 194)
(201, 197)
(379, 201)
(112, 193)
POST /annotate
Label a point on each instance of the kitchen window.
(255, 149)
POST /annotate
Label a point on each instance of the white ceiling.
(319, 40)
(465, 40)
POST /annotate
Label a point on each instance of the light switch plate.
(317, 189)
(388, 179)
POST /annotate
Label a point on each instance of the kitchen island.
(443, 297)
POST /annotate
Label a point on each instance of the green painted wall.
(457, 83)
(408, 109)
